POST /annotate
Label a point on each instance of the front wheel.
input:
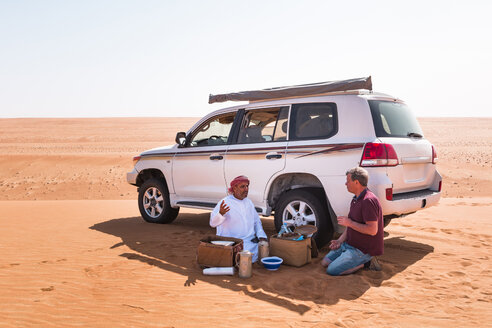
(153, 202)
(305, 207)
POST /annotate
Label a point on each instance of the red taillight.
(434, 155)
(136, 159)
(389, 193)
(379, 154)
(440, 185)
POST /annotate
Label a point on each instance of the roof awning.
(295, 90)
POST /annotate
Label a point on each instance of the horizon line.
(138, 117)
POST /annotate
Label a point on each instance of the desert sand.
(75, 252)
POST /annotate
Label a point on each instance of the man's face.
(240, 191)
(351, 184)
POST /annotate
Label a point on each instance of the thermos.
(244, 263)
(263, 249)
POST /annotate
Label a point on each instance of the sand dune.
(93, 262)
(80, 255)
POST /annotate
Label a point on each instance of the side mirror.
(181, 138)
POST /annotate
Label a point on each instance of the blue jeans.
(345, 258)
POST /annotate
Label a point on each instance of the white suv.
(295, 149)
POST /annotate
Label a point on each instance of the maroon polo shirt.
(363, 209)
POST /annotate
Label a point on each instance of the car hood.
(160, 150)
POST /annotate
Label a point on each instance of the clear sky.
(111, 58)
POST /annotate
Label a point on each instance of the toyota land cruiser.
(295, 144)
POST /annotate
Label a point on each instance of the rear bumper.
(410, 202)
(407, 202)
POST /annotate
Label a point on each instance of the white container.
(216, 271)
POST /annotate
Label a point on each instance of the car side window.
(313, 121)
(264, 125)
(213, 132)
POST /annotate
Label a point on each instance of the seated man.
(363, 236)
(235, 216)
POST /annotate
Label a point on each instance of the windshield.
(392, 119)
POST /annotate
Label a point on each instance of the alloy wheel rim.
(153, 202)
(298, 213)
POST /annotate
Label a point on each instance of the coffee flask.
(263, 249)
(245, 264)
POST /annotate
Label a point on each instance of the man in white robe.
(235, 216)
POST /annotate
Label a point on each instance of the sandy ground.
(80, 255)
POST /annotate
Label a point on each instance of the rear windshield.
(392, 119)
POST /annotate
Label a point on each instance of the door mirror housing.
(181, 139)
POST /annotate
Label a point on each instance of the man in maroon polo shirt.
(363, 236)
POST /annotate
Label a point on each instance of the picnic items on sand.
(220, 255)
(244, 263)
(271, 263)
(293, 247)
(217, 251)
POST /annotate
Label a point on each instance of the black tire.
(310, 207)
(386, 221)
(153, 202)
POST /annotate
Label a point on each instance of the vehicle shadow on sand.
(172, 247)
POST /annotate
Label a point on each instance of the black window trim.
(236, 126)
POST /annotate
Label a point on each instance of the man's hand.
(344, 221)
(335, 244)
(223, 208)
(368, 228)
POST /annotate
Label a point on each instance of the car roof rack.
(351, 86)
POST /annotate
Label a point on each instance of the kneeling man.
(235, 216)
(363, 237)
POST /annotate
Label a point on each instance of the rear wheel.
(153, 202)
(305, 207)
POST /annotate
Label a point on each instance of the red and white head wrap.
(236, 181)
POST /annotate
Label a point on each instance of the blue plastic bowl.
(271, 263)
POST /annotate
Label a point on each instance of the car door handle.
(273, 156)
(215, 157)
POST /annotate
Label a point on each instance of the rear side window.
(313, 121)
(392, 119)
